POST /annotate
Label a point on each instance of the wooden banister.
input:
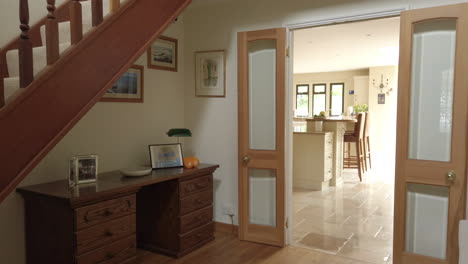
(26, 73)
(2, 88)
(62, 13)
(52, 37)
(76, 22)
(40, 116)
(97, 12)
(114, 5)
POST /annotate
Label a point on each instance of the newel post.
(76, 25)
(52, 37)
(26, 73)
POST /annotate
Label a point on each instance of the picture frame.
(129, 88)
(210, 73)
(163, 54)
(71, 172)
(83, 169)
(381, 98)
(166, 156)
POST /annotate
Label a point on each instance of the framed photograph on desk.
(166, 156)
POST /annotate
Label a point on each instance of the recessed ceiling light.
(368, 35)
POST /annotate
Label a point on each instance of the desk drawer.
(196, 219)
(105, 233)
(196, 202)
(197, 185)
(114, 253)
(197, 236)
(102, 212)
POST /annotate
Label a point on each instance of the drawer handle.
(199, 235)
(329, 157)
(198, 201)
(108, 233)
(200, 185)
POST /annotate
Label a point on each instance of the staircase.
(59, 68)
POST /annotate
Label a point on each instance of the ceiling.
(347, 46)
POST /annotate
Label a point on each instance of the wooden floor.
(227, 249)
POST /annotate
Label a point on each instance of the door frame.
(290, 28)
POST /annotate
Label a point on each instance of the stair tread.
(11, 85)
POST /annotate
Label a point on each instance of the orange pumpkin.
(196, 162)
(188, 163)
(191, 162)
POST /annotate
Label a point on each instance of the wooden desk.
(169, 211)
(337, 125)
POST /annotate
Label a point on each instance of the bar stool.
(357, 137)
(367, 149)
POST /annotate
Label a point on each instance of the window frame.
(314, 93)
(331, 97)
(308, 98)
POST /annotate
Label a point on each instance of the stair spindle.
(2, 88)
(97, 12)
(114, 5)
(52, 37)
(25, 51)
(76, 24)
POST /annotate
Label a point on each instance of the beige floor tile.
(364, 255)
(326, 243)
(323, 228)
(337, 219)
(356, 219)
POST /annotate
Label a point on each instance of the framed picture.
(381, 98)
(210, 73)
(71, 172)
(166, 156)
(86, 169)
(129, 88)
(162, 54)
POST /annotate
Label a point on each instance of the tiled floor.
(353, 221)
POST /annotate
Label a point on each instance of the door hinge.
(287, 223)
(287, 52)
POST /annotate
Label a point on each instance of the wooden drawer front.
(197, 236)
(196, 202)
(196, 219)
(114, 253)
(197, 185)
(105, 233)
(102, 212)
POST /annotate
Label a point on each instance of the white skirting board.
(463, 237)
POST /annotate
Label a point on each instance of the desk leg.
(338, 129)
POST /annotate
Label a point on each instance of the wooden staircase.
(85, 53)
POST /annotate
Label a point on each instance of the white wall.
(215, 27)
(383, 122)
(9, 17)
(345, 77)
(118, 132)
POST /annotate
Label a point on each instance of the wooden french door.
(261, 117)
(430, 190)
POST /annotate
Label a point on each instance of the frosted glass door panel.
(427, 220)
(262, 94)
(434, 44)
(262, 197)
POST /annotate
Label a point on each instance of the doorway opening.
(343, 161)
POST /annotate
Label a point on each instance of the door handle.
(246, 159)
(451, 176)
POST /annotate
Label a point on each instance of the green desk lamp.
(179, 132)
